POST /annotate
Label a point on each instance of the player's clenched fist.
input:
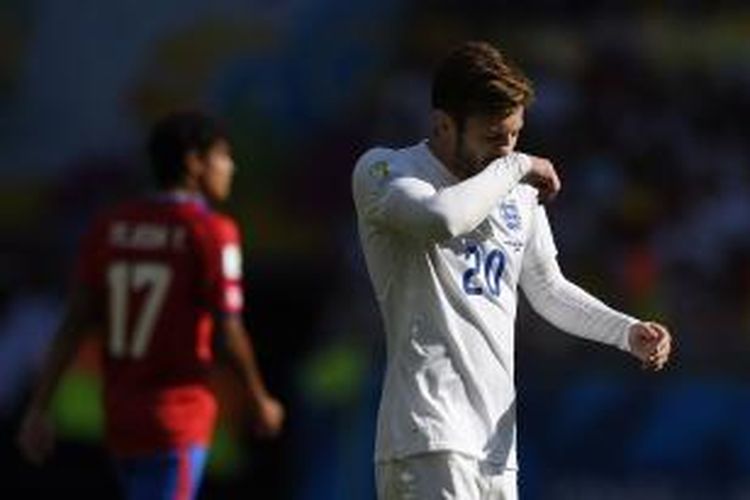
(268, 417)
(543, 177)
(651, 343)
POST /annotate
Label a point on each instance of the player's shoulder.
(146, 207)
(379, 167)
(224, 224)
(211, 225)
(117, 211)
(379, 162)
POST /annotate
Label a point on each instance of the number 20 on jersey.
(485, 271)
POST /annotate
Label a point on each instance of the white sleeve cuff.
(524, 164)
(624, 342)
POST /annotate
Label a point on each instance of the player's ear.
(443, 126)
(193, 164)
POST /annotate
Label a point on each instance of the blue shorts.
(169, 475)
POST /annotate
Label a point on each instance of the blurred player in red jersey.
(157, 275)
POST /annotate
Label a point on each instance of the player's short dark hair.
(176, 135)
(477, 79)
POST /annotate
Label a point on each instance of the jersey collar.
(189, 198)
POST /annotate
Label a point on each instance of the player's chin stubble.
(467, 165)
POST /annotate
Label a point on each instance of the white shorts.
(444, 476)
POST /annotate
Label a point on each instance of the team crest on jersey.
(379, 169)
(511, 215)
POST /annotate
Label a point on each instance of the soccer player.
(450, 228)
(156, 276)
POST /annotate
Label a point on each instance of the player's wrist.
(524, 164)
(628, 334)
(258, 398)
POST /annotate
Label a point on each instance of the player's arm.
(239, 352)
(412, 206)
(575, 311)
(35, 437)
(222, 255)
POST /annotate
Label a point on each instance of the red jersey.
(162, 267)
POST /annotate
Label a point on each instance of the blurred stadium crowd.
(643, 107)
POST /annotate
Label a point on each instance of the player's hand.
(36, 437)
(651, 343)
(544, 178)
(268, 417)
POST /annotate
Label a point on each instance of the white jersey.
(445, 259)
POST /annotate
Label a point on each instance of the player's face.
(218, 168)
(486, 138)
